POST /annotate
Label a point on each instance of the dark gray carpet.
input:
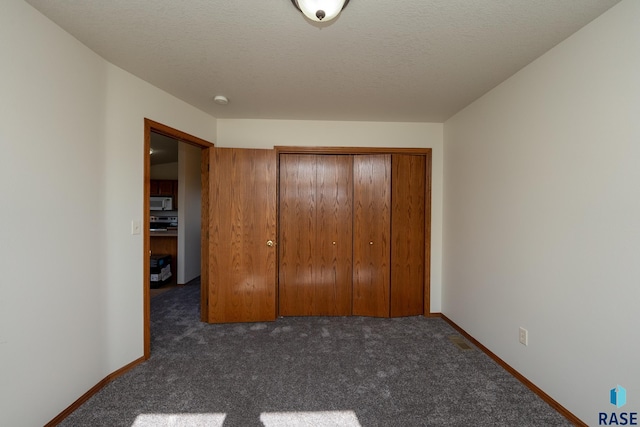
(312, 371)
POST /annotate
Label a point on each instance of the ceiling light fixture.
(320, 10)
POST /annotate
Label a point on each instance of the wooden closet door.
(297, 211)
(242, 220)
(371, 233)
(334, 241)
(315, 235)
(407, 235)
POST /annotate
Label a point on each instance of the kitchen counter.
(168, 233)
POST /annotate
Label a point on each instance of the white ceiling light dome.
(320, 10)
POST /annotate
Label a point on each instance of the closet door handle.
(270, 243)
(371, 243)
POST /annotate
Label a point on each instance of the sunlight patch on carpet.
(268, 419)
(310, 419)
(177, 420)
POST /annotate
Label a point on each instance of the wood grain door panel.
(371, 235)
(334, 241)
(297, 234)
(408, 235)
(315, 235)
(242, 216)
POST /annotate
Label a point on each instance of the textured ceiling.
(412, 60)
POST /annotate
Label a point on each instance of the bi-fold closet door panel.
(371, 235)
(408, 189)
(297, 234)
(315, 243)
(334, 242)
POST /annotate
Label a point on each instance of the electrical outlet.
(524, 336)
(135, 227)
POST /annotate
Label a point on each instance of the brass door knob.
(270, 243)
(371, 243)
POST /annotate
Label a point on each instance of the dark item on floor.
(160, 270)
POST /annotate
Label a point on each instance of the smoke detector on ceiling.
(220, 100)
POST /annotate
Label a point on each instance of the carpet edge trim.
(93, 390)
(517, 375)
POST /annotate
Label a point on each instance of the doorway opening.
(163, 136)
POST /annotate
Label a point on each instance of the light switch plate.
(136, 228)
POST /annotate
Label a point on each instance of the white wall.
(52, 271)
(542, 214)
(269, 133)
(129, 101)
(189, 219)
(71, 134)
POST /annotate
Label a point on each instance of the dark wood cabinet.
(165, 187)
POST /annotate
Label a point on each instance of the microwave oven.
(161, 203)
